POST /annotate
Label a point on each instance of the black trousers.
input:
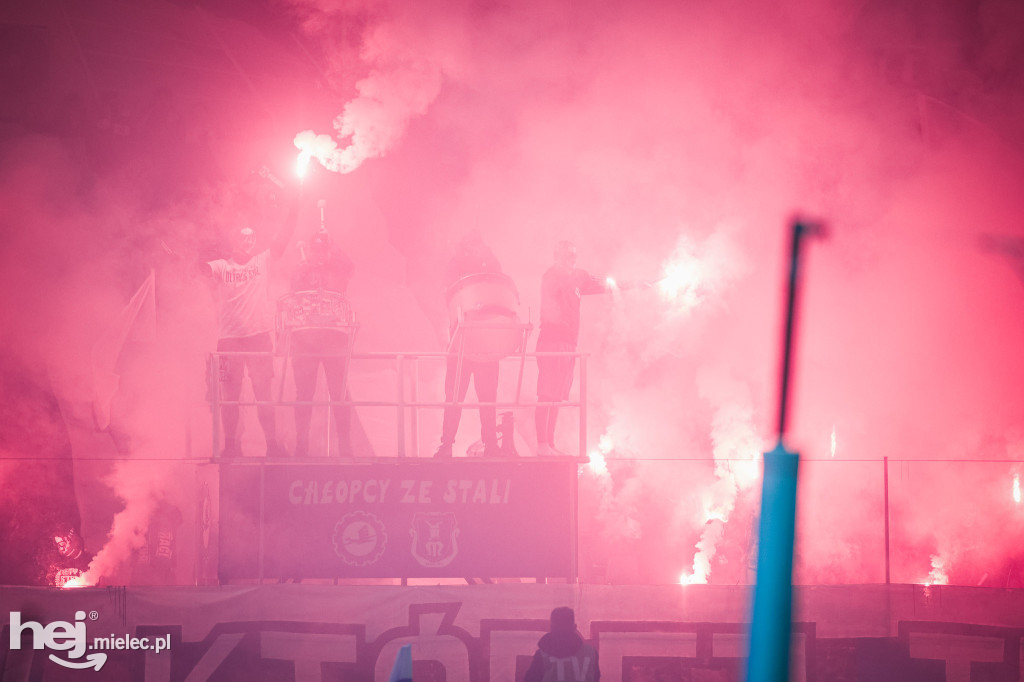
(485, 383)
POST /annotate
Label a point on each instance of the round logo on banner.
(359, 538)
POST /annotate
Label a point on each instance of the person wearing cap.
(245, 320)
(561, 287)
(562, 654)
(327, 269)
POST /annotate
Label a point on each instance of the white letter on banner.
(733, 645)
(505, 647)
(615, 645)
(214, 656)
(307, 651)
(957, 651)
(447, 650)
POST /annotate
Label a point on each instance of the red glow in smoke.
(532, 119)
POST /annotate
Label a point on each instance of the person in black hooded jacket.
(562, 654)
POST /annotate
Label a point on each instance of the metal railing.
(405, 400)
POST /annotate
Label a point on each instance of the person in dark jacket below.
(562, 654)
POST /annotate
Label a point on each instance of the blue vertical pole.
(773, 594)
(771, 622)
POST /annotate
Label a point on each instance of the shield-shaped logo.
(434, 538)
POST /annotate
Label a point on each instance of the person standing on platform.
(472, 256)
(560, 290)
(326, 269)
(245, 320)
(562, 654)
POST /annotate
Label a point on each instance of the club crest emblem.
(434, 538)
(359, 538)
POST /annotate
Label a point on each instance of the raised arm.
(592, 284)
(285, 232)
(197, 267)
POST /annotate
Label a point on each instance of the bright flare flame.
(714, 529)
(680, 283)
(737, 453)
(688, 579)
(598, 465)
(1016, 488)
(324, 149)
(302, 164)
(938, 575)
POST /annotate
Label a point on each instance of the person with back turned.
(472, 256)
(562, 654)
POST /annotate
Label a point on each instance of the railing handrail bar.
(387, 355)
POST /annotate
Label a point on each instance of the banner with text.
(394, 519)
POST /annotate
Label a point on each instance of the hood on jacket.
(561, 643)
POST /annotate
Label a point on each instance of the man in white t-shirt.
(245, 319)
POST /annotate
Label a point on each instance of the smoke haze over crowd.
(672, 143)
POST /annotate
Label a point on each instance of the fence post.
(214, 380)
(414, 415)
(885, 478)
(401, 406)
(583, 406)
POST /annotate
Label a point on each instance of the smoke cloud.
(673, 143)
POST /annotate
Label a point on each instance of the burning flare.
(597, 464)
(697, 271)
(737, 452)
(401, 86)
(302, 163)
(938, 574)
(714, 529)
(324, 149)
(681, 283)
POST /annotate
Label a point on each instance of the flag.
(136, 322)
(402, 672)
